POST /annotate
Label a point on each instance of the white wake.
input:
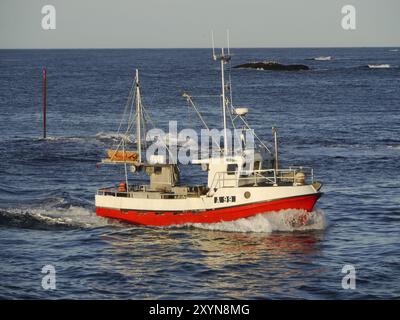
(49, 218)
(285, 220)
(379, 66)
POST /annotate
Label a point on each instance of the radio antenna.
(213, 46)
(227, 36)
(223, 58)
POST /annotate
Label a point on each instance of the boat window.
(232, 168)
(256, 165)
(157, 170)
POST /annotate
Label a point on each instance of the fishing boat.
(238, 186)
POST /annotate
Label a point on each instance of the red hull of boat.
(166, 218)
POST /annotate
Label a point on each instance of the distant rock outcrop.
(274, 66)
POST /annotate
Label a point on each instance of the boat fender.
(122, 187)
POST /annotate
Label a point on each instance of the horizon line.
(196, 48)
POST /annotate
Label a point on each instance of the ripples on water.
(340, 117)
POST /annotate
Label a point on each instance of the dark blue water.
(340, 117)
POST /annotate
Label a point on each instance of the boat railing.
(263, 177)
(113, 190)
(308, 171)
(191, 191)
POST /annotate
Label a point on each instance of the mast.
(44, 76)
(224, 58)
(224, 102)
(138, 118)
(276, 148)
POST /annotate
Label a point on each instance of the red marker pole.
(44, 102)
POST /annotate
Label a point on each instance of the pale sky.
(188, 23)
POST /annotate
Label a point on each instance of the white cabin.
(230, 171)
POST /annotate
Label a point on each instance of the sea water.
(341, 117)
